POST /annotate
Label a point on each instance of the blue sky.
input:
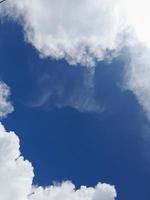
(75, 124)
(64, 144)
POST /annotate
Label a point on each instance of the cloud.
(80, 32)
(5, 105)
(17, 176)
(137, 44)
(16, 173)
(66, 87)
(86, 90)
(85, 32)
(67, 191)
(137, 76)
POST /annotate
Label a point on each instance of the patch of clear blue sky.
(63, 144)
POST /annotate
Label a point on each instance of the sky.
(74, 100)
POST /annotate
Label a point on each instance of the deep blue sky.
(64, 144)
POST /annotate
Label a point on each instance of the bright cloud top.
(78, 31)
(87, 31)
(5, 105)
(137, 16)
(17, 176)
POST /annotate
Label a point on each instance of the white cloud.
(137, 77)
(67, 191)
(16, 176)
(15, 173)
(79, 31)
(5, 105)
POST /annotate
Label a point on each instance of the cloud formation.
(16, 176)
(137, 77)
(67, 191)
(87, 31)
(15, 173)
(66, 87)
(78, 31)
(5, 105)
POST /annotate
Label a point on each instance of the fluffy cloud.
(15, 173)
(87, 31)
(137, 77)
(67, 191)
(5, 105)
(79, 31)
(16, 176)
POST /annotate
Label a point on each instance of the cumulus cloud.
(16, 176)
(78, 31)
(5, 105)
(67, 191)
(15, 173)
(87, 31)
